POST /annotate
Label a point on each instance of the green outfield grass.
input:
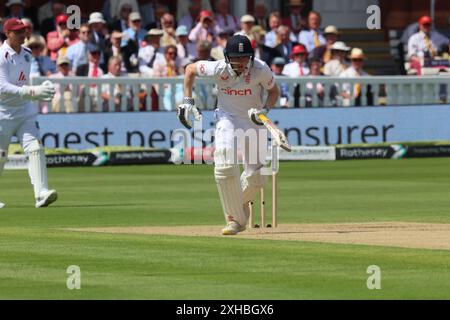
(35, 250)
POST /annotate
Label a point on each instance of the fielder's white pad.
(227, 176)
(37, 168)
(251, 185)
(2, 205)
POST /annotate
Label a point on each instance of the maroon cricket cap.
(13, 24)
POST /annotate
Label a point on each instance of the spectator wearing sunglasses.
(357, 58)
(78, 52)
(41, 65)
(168, 26)
(168, 67)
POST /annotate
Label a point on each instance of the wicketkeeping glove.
(45, 91)
(253, 114)
(185, 109)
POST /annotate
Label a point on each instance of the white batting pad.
(230, 193)
(37, 167)
(251, 184)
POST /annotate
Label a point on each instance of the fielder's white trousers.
(25, 129)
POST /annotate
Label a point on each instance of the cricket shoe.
(2, 205)
(232, 229)
(47, 197)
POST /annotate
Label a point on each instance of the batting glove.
(44, 92)
(253, 115)
(185, 109)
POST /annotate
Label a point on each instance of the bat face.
(277, 134)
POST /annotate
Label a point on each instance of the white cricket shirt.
(239, 94)
(14, 73)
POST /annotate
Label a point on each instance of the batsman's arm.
(272, 97)
(189, 78)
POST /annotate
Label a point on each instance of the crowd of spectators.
(127, 39)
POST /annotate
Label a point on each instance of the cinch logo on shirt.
(234, 92)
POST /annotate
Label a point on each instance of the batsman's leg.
(29, 136)
(230, 193)
(251, 179)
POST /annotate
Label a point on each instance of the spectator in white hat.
(41, 64)
(64, 70)
(337, 63)
(151, 52)
(247, 23)
(97, 24)
(134, 32)
(357, 58)
(132, 42)
(323, 52)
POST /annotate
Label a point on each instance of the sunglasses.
(35, 47)
(357, 60)
(97, 53)
(172, 53)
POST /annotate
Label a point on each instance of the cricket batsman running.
(240, 79)
(18, 113)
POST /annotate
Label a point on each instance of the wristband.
(188, 100)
